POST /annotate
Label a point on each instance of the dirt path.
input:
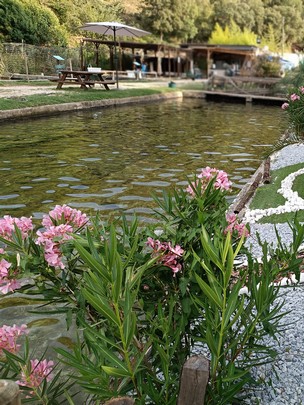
(27, 90)
(23, 91)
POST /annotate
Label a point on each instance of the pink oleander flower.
(8, 282)
(207, 174)
(51, 239)
(285, 106)
(36, 373)
(190, 190)
(9, 285)
(9, 336)
(294, 97)
(65, 214)
(7, 226)
(301, 88)
(235, 225)
(170, 256)
(4, 266)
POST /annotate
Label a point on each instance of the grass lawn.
(70, 95)
(267, 196)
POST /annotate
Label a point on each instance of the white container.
(94, 69)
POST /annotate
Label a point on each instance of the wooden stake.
(194, 381)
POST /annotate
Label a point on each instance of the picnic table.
(84, 78)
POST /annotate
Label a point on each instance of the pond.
(110, 160)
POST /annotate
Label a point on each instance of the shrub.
(145, 299)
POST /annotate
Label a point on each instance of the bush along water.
(294, 108)
(143, 299)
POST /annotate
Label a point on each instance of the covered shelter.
(216, 57)
(163, 59)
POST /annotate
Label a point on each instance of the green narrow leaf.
(113, 359)
(92, 262)
(208, 291)
(227, 245)
(101, 305)
(117, 282)
(209, 248)
(91, 244)
(115, 372)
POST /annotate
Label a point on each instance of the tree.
(286, 18)
(249, 15)
(232, 35)
(25, 20)
(172, 19)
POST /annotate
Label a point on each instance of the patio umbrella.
(115, 29)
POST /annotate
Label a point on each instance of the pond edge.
(46, 110)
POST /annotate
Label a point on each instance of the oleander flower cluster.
(36, 372)
(169, 256)
(235, 225)
(9, 336)
(8, 224)
(58, 227)
(207, 174)
(8, 280)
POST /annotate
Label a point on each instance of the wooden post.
(9, 393)
(194, 381)
(120, 401)
(266, 175)
(250, 192)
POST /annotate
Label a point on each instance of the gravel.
(285, 377)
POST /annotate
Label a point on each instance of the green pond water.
(110, 160)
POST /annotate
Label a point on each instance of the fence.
(27, 59)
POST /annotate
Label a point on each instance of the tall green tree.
(286, 18)
(73, 14)
(172, 19)
(232, 35)
(248, 15)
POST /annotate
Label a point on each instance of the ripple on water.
(136, 147)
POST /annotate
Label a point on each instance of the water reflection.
(112, 159)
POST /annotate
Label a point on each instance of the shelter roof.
(134, 45)
(235, 49)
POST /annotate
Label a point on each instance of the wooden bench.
(92, 82)
(84, 79)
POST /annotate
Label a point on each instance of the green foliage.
(235, 325)
(48, 392)
(265, 67)
(294, 78)
(294, 110)
(232, 35)
(144, 297)
(271, 40)
(27, 21)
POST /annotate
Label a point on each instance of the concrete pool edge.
(46, 110)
